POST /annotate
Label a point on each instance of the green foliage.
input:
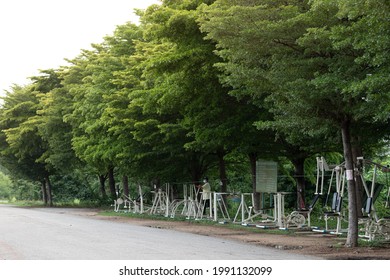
(21, 143)
(6, 187)
(25, 190)
(74, 186)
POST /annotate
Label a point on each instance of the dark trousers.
(206, 205)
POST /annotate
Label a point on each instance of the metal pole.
(279, 198)
(242, 208)
(215, 206)
(167, 201)
(141, 199)
(210, 205)
(373, 182)
(275, 208)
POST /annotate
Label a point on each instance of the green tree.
(187, 86)
(6, 186)
(22, 144)
(246, 35)
(55, 103)
(86, 83)
(308, 55)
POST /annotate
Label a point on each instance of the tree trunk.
(196, 168)
(256, 195)
(352, 237)
(222, 170)
(125, 183)
(102, 181)
(49, 191)
(299, 174)
(44, 192)
(111, 182)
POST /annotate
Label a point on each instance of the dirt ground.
(305, 242)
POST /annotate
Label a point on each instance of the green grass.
(65, 204)
(110, 213)
(377, 243)
(24, 203)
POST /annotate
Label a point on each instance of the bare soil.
(326, 246)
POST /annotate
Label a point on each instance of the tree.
(186, 84)
(246, 35)
(22, 144)
(307, 62)
(54, 104)
(89, 80)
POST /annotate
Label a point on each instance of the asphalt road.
(59, 234)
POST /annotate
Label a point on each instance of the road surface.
(59, 234)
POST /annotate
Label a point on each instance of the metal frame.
(337, 181)
(374, 227)
(126, 204)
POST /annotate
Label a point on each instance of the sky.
(40, 34)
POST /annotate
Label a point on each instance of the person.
(206, 194)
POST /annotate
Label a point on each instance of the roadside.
(303, 242)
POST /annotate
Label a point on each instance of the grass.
(371, 244)
(110, 213)
(23, 203)
(64, 204)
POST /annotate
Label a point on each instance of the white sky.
(39, 34)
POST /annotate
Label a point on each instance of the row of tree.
(199, 84)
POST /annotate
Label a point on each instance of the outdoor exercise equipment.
(337, 185)
(219, 206)
(192, 207)
(266, 183)
(278, 220)
(126, 204)
(284, 221)
(244, 210)
(246, 214)
(136, 205)
(187, 206)
(161, 200)
(374, 226)
(120, 205)
(322, 168)
(294, 219)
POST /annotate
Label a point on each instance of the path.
(59, 234)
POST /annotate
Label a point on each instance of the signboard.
(266, 176)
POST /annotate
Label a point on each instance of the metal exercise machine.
(322, 166)
(374, 227)
(187, 206)
(219, 206)
(127, 204)
(294, 219)
(277, 220)
(246, 214)
(336, 183)
(161, 200)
